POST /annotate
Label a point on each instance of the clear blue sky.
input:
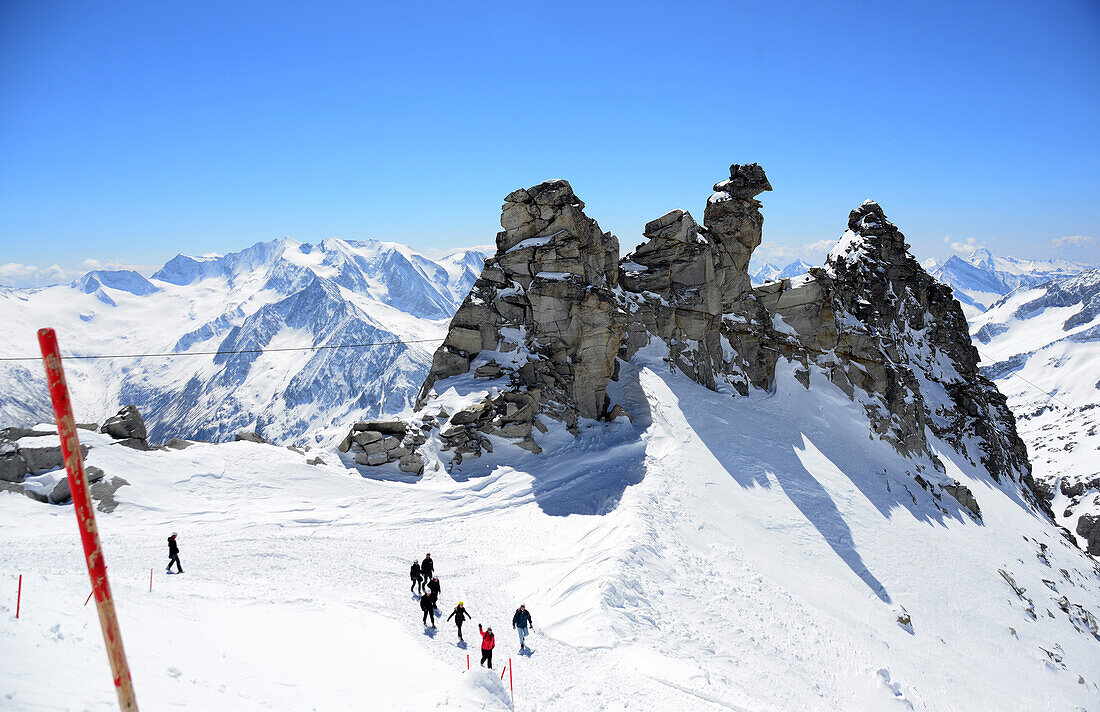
(130, 131)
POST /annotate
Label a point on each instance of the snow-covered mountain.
(769, 272)
(802, 496)
(273, 295)
(982, 278)
(1042, 346)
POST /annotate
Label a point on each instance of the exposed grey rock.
(411, 462)
(178, 444)
(43, 459)
(964, 496)
(128, 426)
(1088, 527)
(13, 468)
(252, 437)
(367, 437)
(61, 493)
(550, 287)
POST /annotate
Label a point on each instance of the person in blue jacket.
(521, 621)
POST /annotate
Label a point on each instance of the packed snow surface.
(718, 553)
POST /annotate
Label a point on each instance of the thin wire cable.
(1017, 375)
(171, 354)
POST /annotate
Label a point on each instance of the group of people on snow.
(423, 578)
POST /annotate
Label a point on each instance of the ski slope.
(718, 553)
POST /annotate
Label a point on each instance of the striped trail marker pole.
(85, 517)
(19, 600)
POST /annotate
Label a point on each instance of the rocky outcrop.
(386, 441)
(1088, 527)
(543, 319)
(61, 493)
(128, 427)
(540, 336)
(250, 436)
(29, 452)
(689, 286)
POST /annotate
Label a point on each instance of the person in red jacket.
(488, 642)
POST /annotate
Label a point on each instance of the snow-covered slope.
(273, 295)
(982, 278)
(718, 553)
(1042, 346)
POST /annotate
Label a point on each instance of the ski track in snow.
(759, 564)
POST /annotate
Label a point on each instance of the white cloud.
(963, 248)
(17, 274)
(812, 250)
(1072, 241)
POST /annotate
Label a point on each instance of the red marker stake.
(88, 598)
(510, 685)
(19, 598)
(85, 517)
(504, 671)
(467, 661)
(150, 580)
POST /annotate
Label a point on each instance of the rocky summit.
(555, 313)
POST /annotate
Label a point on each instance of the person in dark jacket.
(488, 642)
(460, 615)
(433, 590)
(521, 621)
(428, 608)
(427, 568)
(173, 555)
(414, 574)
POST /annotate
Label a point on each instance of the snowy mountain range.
(769, 272)
(702, 548)
(1042, 347)
(274, 295)
(981, 278)
(787, 546)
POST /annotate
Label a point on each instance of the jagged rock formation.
(543, 320)
(544, 325)
(876, 322)
(128, 427)
(689, 286)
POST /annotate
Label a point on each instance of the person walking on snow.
(173, 555)
(488, 642)
(428, 607)
(521, 621)
(414, 574)
(427, 568)
(433, 590)
(460, 615)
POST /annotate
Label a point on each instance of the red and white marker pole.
(19, 600)
(511, 687)
(150, 580)
(85, 517)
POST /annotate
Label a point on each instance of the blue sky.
(133, 131)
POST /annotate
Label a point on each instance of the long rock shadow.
(817, 505)
(777, 458)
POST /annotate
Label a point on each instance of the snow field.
(719, 553)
